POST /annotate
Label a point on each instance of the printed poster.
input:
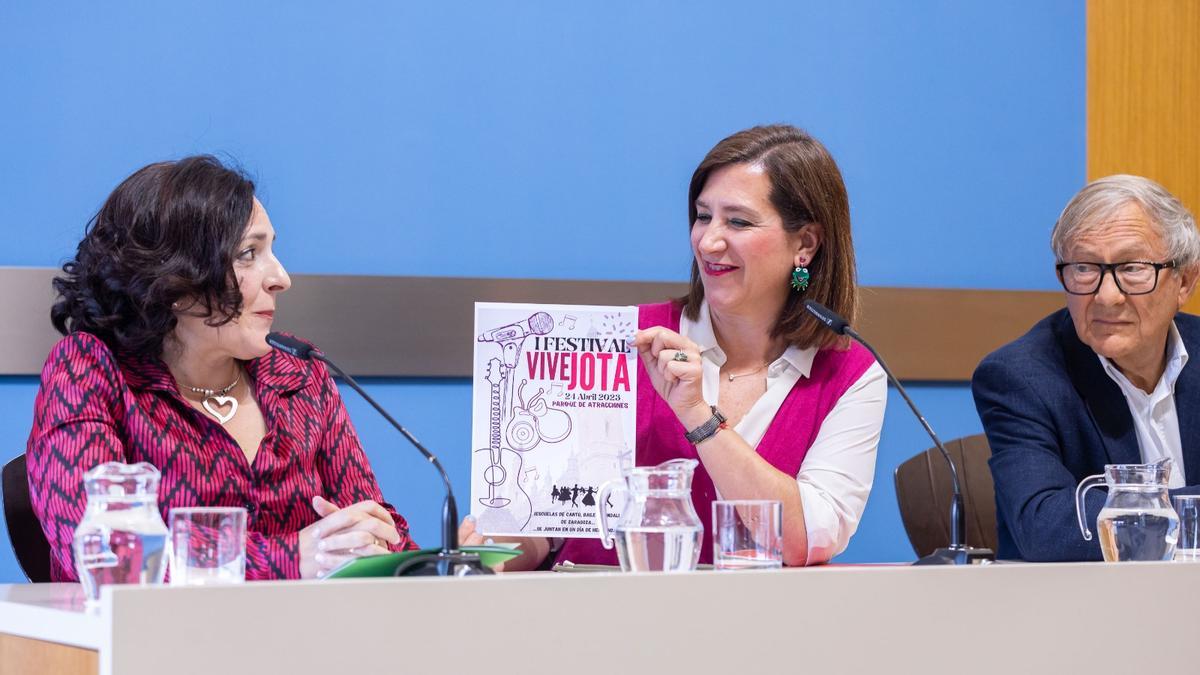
(554, 398)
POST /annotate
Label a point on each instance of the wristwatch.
(708, 429)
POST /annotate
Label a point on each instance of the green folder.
(384, 565)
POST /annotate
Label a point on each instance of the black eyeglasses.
(1135, 277)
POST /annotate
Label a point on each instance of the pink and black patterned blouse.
(94, 407)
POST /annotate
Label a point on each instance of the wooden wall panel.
(1143, 83)
(422, 326)
(940, 334)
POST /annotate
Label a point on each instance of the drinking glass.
(208, 546)
(1187, 549)
(747, 534)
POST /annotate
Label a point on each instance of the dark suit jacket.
(1053, 417)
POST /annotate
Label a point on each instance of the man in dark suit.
(1108, 380)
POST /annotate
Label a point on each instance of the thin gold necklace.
(733, 377)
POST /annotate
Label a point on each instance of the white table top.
(51, 612)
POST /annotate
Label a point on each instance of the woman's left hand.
(469, 536)
(679, 380)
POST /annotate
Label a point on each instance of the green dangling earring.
(800, 277)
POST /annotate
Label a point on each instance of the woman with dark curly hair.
(165, 311)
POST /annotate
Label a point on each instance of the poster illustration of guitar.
(554, 398)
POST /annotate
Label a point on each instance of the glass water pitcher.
(658, 530)
(1137, 521)
(122, 537)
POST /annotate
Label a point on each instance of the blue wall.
(506, 139)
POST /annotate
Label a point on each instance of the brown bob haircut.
(806, 187)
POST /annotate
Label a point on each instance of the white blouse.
(839, 468)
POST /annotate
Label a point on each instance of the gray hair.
(1101, 198)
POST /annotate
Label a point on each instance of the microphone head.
(827, 316)
(541, 323)
(290, 345)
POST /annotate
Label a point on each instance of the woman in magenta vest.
(737, 375)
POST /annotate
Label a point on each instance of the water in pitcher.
(119, 547)
(658, 549)
(1137, 534)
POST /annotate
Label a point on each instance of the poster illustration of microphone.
(554, 399)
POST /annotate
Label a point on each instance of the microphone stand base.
(442, 564)
(962, 555)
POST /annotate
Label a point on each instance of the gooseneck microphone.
(958, 553)
(449, 561)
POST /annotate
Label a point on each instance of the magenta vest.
(660, 436)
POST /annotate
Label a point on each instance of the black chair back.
(923, 491)
(24, 529)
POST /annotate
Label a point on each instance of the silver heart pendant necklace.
(216, 399)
